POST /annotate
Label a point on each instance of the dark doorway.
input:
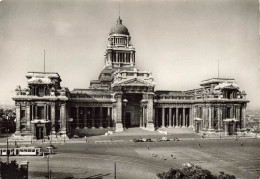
(230, 129)
(132, 109)
(39, 133)
(197, 127)
(128, 119)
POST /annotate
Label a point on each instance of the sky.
(179, 41)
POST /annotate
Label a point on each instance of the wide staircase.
(178, 130)
(135, 131)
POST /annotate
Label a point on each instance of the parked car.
(149, 140)
(136, 140)
(82, 135)
(163, 139)
(75, 136)
(52, 146)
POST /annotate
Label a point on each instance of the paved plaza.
(96, 158)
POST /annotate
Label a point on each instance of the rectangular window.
(40, 91)
(22, 113)
(40, 112)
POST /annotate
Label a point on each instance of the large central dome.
(119, 28)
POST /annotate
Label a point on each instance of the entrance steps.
(177, 130)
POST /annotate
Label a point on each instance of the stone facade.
(124, 97)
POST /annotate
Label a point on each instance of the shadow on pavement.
(98, 176)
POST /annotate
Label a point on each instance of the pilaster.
(119, 125)
(149, 113)
(63, 118)
(18, 117)
(53, 117)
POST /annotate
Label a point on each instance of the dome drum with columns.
(123, 97)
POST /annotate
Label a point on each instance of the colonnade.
(92, 117)
(123, 57)
(173, 117)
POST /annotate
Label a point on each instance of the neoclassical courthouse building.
(123, 97)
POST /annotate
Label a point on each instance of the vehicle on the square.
(163, 139)
(21, 151)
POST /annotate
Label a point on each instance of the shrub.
(193, 172)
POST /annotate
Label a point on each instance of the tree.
(10, 170)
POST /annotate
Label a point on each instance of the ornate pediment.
(133, 82)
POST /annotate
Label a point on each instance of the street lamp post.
(115, 169)
(7, 150)
(48, 167)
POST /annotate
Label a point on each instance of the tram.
(22, 151)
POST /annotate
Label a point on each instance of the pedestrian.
(147, 147)
(241, 144)
(199, 145)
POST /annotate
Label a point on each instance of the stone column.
(243, 117)
(108, 117)
(177, 117)
(18, 117)
(117, 57)
(141, 116)
(190, 116)
(85, 117)
(48, 115)
(238, 117)
(226, 128)
(63, 118)
(101, 117)
(210, 118)
(33, 112)
(149, 113)
(28, 117)
(193, 115)
(93, 117)
(219, 122)
(221, 117)
(183, 117)
(45, 112)
(143, 120)
(154, 117)
(119, 126)
(170, 117)
(205, 114)
(163, 117)
(53, 118)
